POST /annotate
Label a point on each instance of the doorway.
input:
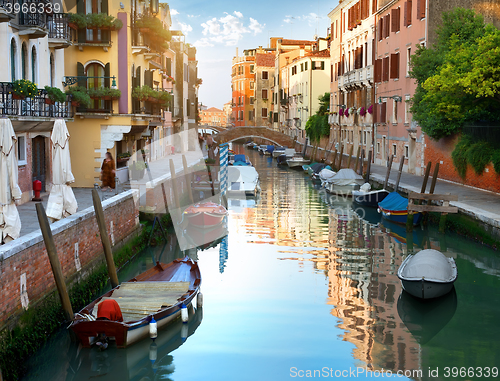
(412, 154)
(39, 160)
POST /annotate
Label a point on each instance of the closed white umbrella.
(62, 201)
(10, 223)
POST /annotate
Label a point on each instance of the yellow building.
(126, 55)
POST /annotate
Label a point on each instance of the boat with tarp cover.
(158, 293)
(394, 207)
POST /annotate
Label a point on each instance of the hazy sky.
(216, 28)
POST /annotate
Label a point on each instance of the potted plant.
(362, 111)
(79, 96)
(94, 21)
(54, 95)
(370, 109)
(22, 88)
(122, 157)
(137, 169)
(143, 93)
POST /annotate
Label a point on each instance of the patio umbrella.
(62, 201)
(10, 223)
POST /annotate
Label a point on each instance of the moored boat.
(297, 161)
(158, 293)
(243, 181)
(205, 214)
(428, 274)
(278, 151)
(344, 182)
(394, 207)
(366, 197)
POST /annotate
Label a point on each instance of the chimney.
(236, 51)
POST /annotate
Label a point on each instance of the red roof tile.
(297, 42)
(323, 53)
(264, 59)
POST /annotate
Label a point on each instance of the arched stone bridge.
(208, 127)
(268, 134)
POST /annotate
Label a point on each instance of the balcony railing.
(58, 26)
(30, 18)
(36, 107)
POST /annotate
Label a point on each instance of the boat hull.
(204, 219)
(277, 153)
(369, 198)
(400, 216)
(341, 190)
(297, 163)
(425, 289)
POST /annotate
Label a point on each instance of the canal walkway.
(159, 169)
(477, 203)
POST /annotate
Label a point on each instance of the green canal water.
(306, 287)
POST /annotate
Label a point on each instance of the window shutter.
(393, 25)
(104, 6)
(380, 27)
(387, 25)
(420, 9)
(405, 14)
(378, 71)
(322, 65)
(168, 66)
(410, 5)
(80, 72)
(395, 65)
(360, 57)
(80, 9)
(383, 113)
(107, 73)
(385, 69)
(138, 76)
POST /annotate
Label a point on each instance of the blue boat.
(241, 160)
(395, 208)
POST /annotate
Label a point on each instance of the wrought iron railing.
(58, 26)
(31, 18)
(38, 106)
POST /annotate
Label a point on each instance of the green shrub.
(459, 156)
(479, 155)
(495, 158)
(55, 94)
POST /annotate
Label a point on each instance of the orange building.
(243, 88)
(213, 117)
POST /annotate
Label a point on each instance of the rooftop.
(265, 59)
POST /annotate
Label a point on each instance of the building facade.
(213, 117)
(243, 88)
(264, 80)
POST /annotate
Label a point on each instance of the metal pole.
(399, 173)
(108, 253)
(54, 260)
(187, 176)
(389, 165)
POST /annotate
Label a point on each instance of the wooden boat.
(158, 293)
(205, 214)
(243, 181)
(394, 207)
(366, 197)
(278, 151)
(428, 274)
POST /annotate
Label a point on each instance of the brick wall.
(440, 152)
(79, 232)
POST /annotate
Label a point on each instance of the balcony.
(37, 107)
(59, 31)
(357, 78)
(32, 24)
(4, 15)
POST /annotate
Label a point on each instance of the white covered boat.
(428, 274)
(242, 181)
(344, 182)
(326, 175)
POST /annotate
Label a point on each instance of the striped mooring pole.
(224, 149)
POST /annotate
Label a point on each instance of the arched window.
(24, 62)
(95, 72)
(33, 64)
(13, 55)
(52, 70)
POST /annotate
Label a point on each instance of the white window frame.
(408, 59)
(394, 150)
(407, 151)
(394, 112)
(19, 161)
(407, 109)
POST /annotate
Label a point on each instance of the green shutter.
(80, 9)
(148, 78)
(168, 65)
(322, 65)
(138, 76)
(80, 72)
(104, 6)
(107, 73)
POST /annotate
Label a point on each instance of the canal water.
(305, 286)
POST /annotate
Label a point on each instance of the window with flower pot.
(33, 65)
(96, 73)
(24, 61)
(13, 55)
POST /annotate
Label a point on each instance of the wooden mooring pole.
(426, 177)
(341, 156)
(108, 253)
(350, 157)
(400, 170)
(368, 166)
(389, 165)
(361, 162)
(434, 178)
(54, 260)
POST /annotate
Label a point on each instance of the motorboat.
(157, 294)
(240, 160)
(297, 161)
(262, 149)
(269, 150)
(205, 214)
(344, 182)
(326, 175)
(428, 274)
(278, 151)
(366, 197)
(394, 207)
(242, 180)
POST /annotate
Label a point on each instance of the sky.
(218, 27)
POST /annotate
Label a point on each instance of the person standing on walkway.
(108, 172)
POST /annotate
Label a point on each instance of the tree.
(458, 79)
(317, 124)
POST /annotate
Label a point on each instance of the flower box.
(49, 101)
(17, 96)
(75, 103)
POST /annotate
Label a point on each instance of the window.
(21, 149)
(24, 63)
(264, 112)
(364, 137)
(385, 69)
(420, 9)
(52, 70)
(378, 147)
(407, 109)
(301, 67)
(408, 60)
(407, 13)
(394, 150)
(394, 66)
(394, 112)
(265, 75)
(96, 71)
(264, 93)
(395, 14)
(252, 69)
(252, 84)
(250, 115)
(252, 99)
(33, 65)
(406, 152)
(94, 6)
(13, 54)
(305, 66)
